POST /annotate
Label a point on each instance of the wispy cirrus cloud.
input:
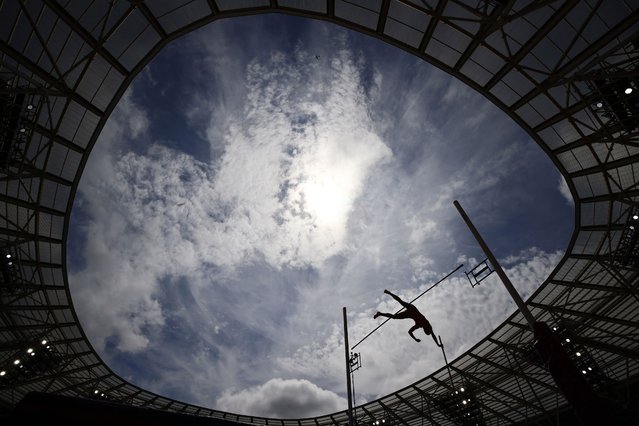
(266, 204)
(319, 182)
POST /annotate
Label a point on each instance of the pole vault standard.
(504, 278)
(346, 348)
(423, 293)
(348, 371)
(587, 405)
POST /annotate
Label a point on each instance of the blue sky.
(263, 172)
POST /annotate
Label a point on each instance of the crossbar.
(423, 293)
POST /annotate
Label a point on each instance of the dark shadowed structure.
(565, 71)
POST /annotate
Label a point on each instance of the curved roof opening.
(261, 173)
(560, 69)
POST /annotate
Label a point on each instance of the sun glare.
(333, 173)
(327, 199)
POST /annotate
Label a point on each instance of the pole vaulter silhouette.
(411, 312)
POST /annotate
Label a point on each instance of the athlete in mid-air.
(413, 313)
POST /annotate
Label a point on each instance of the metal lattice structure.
(561, 69)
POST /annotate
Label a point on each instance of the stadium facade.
(565, 71)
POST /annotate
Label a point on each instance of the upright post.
(348, 371)
(588, 406)
(504, 278)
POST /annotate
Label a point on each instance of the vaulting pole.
(493, 260)
(348, 371)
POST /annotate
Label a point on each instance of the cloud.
(158, 217)
(299, 159)
(565, 191)
(130, 120)
(323, 182)
(459, 314)
(281, 398)
(110, 290)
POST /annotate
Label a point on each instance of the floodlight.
(29, 107)
(632, 228)
(462, 389)
(583, 371)
(635, 217)
(628, 90)
(599, 104)
(554, 329)
(2, 373)
(8, 256)
(589, 368)
(95, 391)
(32, 353)
(578, 354)
(22, 130)
(567, 340)
(10, 263)
(16, 362)
(29, 350)
(464, 402)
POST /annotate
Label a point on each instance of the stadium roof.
(565, 71)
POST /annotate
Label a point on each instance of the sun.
(332, 171)
(328, 197)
